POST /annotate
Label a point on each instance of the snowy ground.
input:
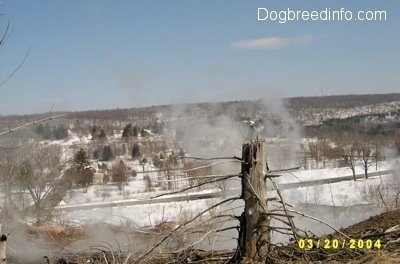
(139, 215)
(335, 194)
(346, 193)
(340, 194)
(318, 174)
(340, 203)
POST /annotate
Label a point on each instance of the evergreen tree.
(84, 176)
(107, 153)
(44, 131)
(135, 131)
(143, 133)
(102, 134)
(47, 132)
(94, 132)
(39, 129)
(157, 127)
(60, 132)
(135, 150)
(127, 132)
(81, 159)
(96, 154)
(124, 149)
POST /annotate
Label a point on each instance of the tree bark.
(3, 258)
(254, 237)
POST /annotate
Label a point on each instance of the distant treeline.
(371, 125)
(340, 101)
(51, 132)
(232, 107)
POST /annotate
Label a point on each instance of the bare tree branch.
(30, 124)
(318, 220)
(6, 33)
(285, 170)
(195, 186)
(208, 165)
(182, 225)
(216, 158)
(17, 68)
(290, 220)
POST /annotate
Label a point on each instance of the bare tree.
(39, 173)
(366, 155)
(119, 174)
(8, 178)
(377, 155)
(349, 155)
(397, 142)
(11, 172)
(195, 169)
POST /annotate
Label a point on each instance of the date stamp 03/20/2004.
(335, 243)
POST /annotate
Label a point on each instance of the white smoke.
(219, 130)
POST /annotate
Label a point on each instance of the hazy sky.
(107, 54)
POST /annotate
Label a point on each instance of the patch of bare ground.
(384, 227)
(375, 226)
(56, 233)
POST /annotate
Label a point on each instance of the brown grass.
(57, 233)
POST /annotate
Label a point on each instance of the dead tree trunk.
(3, 258)
(254, 237)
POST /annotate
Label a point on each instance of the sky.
(102, 54)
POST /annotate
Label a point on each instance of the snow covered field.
(346, 193)
(139, 215)
(340, 194)
(339, 203)
(319, 174)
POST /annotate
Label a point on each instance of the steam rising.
(205, 130)
(212, 130)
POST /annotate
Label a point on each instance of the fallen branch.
(318, 220)
(290, 220)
